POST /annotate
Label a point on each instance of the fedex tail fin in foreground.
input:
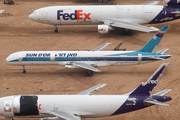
(142, 96)
(147, 88)
(153, 43)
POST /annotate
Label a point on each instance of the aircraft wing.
(151, 3)
(100, 47)
(153, 101)
(161, 93)
(85, 66)
(128, 25)
(64, 115)
(95, 88)
(1, 11)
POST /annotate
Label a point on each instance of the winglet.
(148, 87)
(95, 88)
(153, 43)
(100, 47)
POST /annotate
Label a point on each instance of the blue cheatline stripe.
(87, 59)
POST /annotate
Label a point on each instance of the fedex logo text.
(78, 15)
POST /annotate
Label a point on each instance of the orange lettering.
(40, 106)
(79, 15)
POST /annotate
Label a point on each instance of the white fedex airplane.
(91, 59)
(84, 104)
(108, 17)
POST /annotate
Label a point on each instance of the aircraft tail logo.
(148, 87)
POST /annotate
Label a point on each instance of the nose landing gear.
(56, 30)
(24, 71)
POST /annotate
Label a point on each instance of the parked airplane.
(91, 59)
(84, 104)
(108, 17)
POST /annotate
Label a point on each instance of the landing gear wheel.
(104, 0)
(24, 71)
(100, 0)
(127, 33)
(88, 74)
(56, 30)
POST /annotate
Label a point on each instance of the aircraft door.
(20, 59)
(45, 17)
(139, 57)
(52, 58)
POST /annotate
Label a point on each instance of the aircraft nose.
(7, 60)
(31, 16)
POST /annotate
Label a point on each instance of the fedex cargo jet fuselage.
(107, 17)
(84, 104)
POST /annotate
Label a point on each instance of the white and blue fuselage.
(95, 58)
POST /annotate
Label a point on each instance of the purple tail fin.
(148, 87)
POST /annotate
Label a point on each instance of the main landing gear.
(24, 71)
(102, 0)
(127, 32)
(88, 74)
(56, 30)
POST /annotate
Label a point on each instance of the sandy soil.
(19, 33)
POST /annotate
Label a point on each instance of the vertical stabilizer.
(148, 87)
(153, 43)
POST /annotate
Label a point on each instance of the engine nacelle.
(103, 29)
(171, 1)
(70, 66)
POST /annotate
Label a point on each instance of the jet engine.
(103, 29)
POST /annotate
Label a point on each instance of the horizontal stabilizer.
(153, 101)
(151, 3)
(88, 91)
(163, 51)
(161, 93)
(156, 58)
(101, 47)
(176, 12)
(86, 66)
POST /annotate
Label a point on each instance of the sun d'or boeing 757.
(91, 59)
(84, 104)
(108, 17)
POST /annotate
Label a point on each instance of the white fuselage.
(89, 15)
(81, 105)
(95, 58)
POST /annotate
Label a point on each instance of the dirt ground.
(19, 33)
